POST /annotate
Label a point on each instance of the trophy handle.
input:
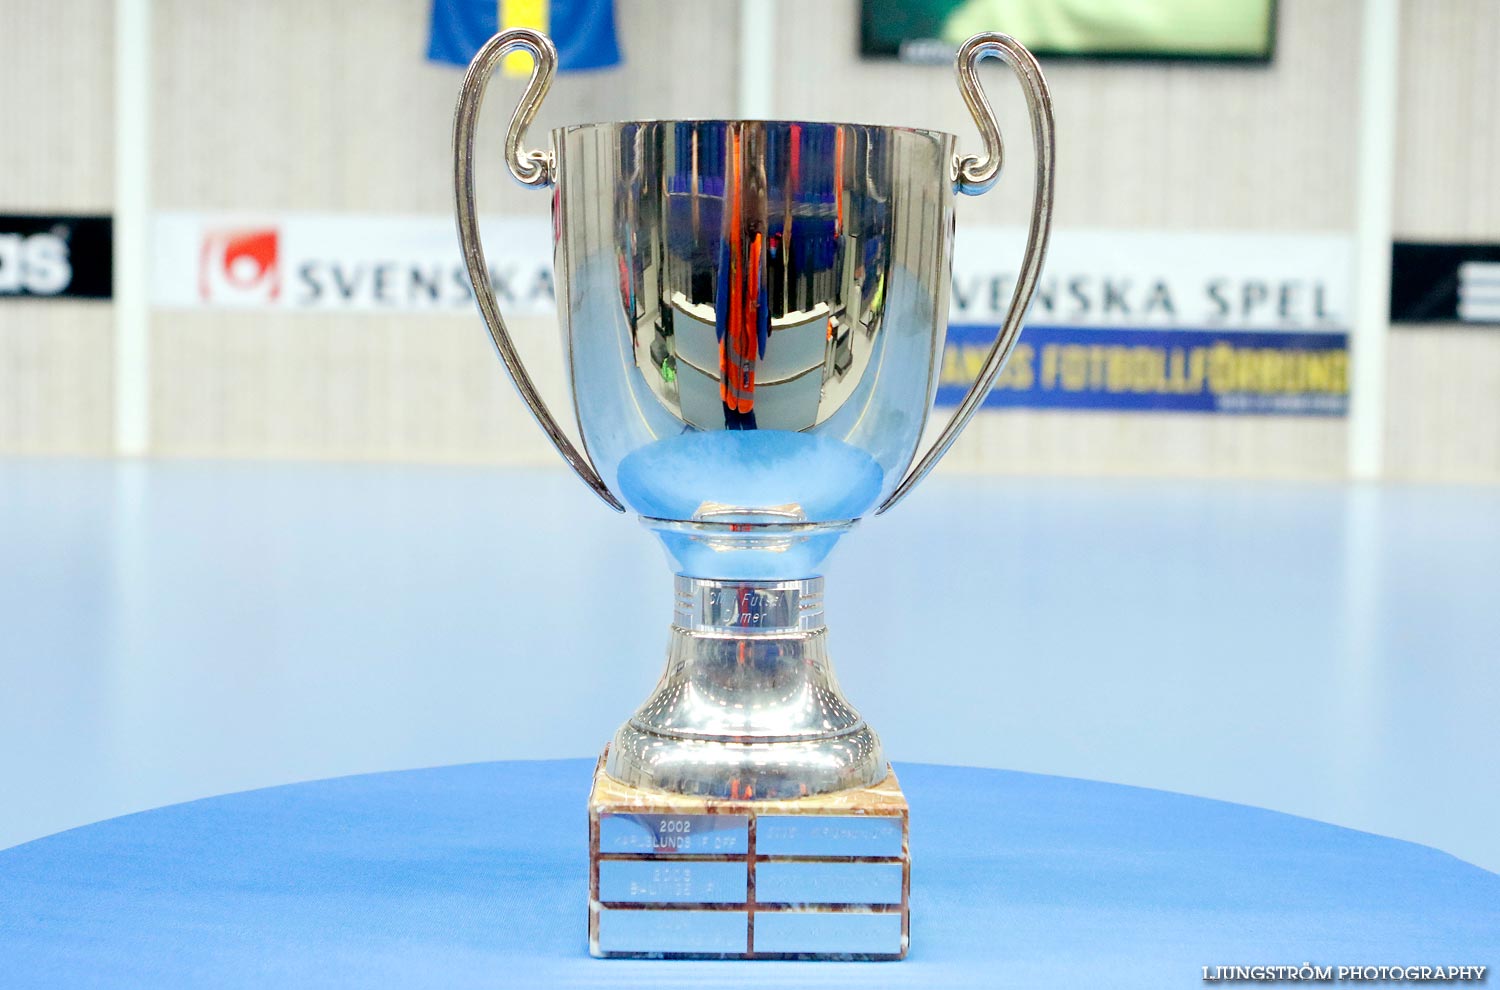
(530, 168)
(975, 174)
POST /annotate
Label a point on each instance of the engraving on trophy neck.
(720, 512)
(761, 608)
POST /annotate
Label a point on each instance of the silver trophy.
(753, 314)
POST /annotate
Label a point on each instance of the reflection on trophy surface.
(753, 314)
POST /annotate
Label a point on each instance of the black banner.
(1445, 283)
(53, 257)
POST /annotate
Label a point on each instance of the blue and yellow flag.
(582, 30)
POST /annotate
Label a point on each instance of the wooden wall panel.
(287, 106)
(1443, 421)
(1443, 414)
(347, 386)
(57, 156)
(1159, 146)
(1156, 145)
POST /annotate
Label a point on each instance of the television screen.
(930, 30)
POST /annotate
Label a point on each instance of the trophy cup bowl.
(753, 315)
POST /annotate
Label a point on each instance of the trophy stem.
(748, 707)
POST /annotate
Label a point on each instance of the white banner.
(1093, 278)
(1161, 279)
(323, 262)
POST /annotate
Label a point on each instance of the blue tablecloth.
(476, 876)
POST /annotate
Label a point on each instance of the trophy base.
(674, 876)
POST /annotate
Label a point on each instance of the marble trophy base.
(678, 877)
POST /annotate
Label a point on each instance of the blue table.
(475, 876)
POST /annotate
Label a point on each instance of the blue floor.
(175, 630)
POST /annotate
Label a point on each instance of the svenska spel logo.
(240, 266)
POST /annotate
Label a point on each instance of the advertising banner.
(1122, 320)
(1159, 321)
(1445, 283)
(333, 262)
(56, 257)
